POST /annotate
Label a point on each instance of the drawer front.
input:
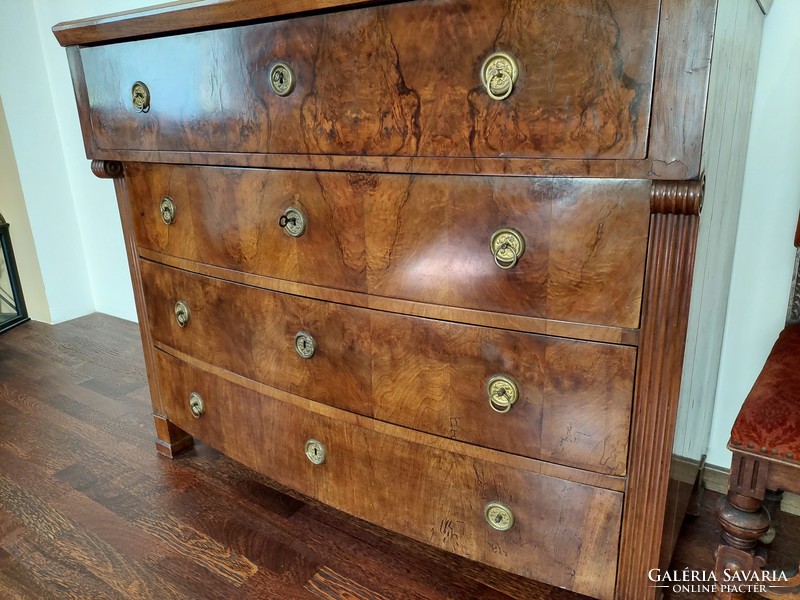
(564, 533)
(573, 398)
(397, 80)
(420, 238)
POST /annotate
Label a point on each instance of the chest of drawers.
(430, 262)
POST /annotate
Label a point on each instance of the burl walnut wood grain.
(581, 331)
(428, 375)
(673, 238)
(514, 461)
(389, 81)
(565, 534)
(419, 238)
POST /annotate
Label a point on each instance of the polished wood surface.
(412, 237)
(186, 14)
(436, 497)
(82, 490)
(405, 167)
(582, 331)
(673, 153)
(549, 469)
(685, 40)
(370, 83)
(544, 167)
(673, 237)
(575, 397)
(170, 439)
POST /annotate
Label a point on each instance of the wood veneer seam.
(631, 169)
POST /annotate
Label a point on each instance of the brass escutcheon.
(167, 210)
(281, 78)
(315, 451)
(182, 313)
(503, 393)
(196, 405)
(507, 246)
(499, 74)
(293, 222)
(499, 516)
(305, 345)
(140, 96)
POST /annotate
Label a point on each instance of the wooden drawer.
(420, 238)
(575, 397)
(564, 533)
(397, 80)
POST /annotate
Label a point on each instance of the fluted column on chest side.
(675, 209)
(171, 440)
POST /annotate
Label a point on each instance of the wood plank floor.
(88, 510)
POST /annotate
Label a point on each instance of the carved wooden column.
(675, 208)
(171, 440)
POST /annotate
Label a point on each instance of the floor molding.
(716, 479)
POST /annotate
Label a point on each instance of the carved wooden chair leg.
(772, 502)
(785, 590)
(743, 519)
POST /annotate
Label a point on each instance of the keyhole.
(498, 518)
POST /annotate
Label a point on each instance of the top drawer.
(404, 79)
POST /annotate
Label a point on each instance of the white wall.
(12, 207)
(72, 214)
(764, 255)
(28, 103)
(94, 200)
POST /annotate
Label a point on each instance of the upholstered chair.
(765, 441)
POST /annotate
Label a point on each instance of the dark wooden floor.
(88, 510)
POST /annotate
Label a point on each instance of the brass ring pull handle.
(499, 516)
(167, 210)
(182, 313)
(293, 222)
(315, 451)
(281, 79)
(507, 246)
(140, 96)
(503, 393)
(196, 405)
(305, 345)
(499, 74)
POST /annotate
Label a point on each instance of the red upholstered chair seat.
(769, 421)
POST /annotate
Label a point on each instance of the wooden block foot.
(171, 440)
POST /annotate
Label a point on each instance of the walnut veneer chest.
(429, 262)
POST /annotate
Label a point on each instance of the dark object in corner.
(12, 304)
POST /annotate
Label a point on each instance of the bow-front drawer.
(436, 78)
(558, 531)
(562, 249)
(564, 401)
